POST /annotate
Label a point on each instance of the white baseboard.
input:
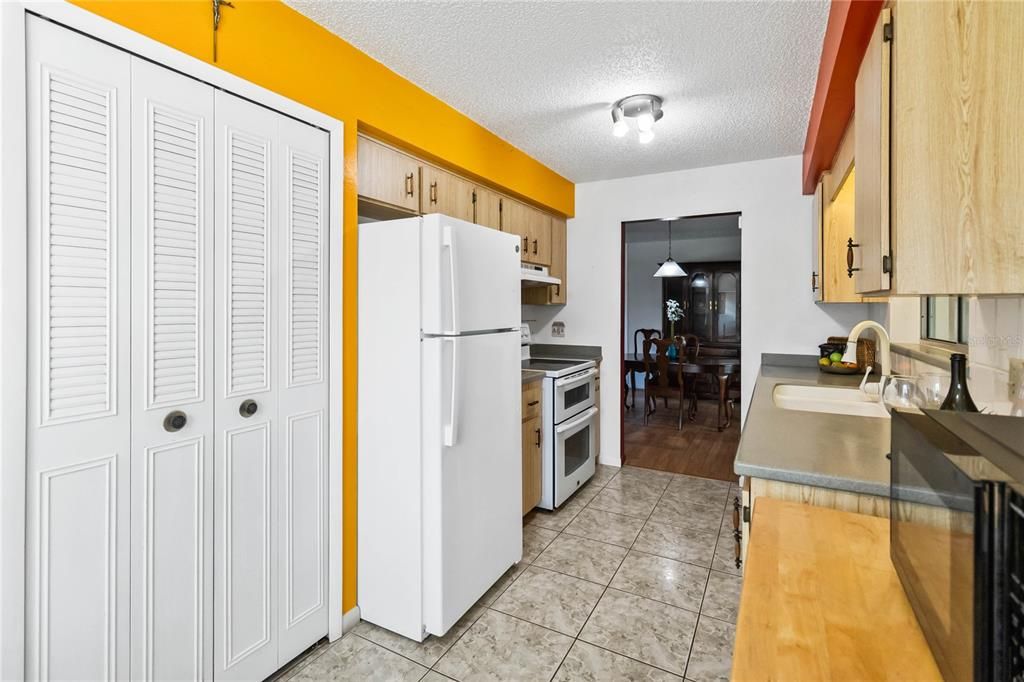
(350, 620)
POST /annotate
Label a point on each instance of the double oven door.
(570, 425)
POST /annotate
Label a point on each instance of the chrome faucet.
(883, 345)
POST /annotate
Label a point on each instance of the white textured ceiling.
(737, 77)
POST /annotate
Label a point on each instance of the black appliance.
(957, 522)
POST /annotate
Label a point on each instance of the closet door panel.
(246, 400)
(302, 433)
(172, 349)
(78, 412)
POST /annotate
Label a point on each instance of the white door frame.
(14, 288)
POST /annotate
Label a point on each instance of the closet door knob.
(175, 421)
(248, 408)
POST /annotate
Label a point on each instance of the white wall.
(643, 291)
(778, 314)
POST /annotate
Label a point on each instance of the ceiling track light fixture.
(646, 109)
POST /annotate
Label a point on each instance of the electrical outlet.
(558, 329)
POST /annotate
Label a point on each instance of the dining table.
(722, 368)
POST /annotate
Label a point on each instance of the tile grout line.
(488, 607)
(607, 587)
(718, 538)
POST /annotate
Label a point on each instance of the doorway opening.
(681, 340)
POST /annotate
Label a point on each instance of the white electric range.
(568, 423)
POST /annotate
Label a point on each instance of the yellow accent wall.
(270, 44)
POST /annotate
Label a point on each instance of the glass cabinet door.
(700, 305)
(726, 306)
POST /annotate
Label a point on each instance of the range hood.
(537, 276)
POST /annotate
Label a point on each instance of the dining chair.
(658, 375)
(629, 385)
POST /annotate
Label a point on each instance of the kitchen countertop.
(531, 375)
(822, 601)
(834, 451)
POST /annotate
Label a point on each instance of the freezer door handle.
(448, 240)
(451, 429)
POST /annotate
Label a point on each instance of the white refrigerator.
(439, 433)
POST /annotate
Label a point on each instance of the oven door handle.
(569, 426)
(576, 378)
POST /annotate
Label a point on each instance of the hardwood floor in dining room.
(698, 450)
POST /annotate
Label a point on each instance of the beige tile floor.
(631, 579)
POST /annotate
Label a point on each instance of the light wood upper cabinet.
(552, 295)
(940, 192)
(487, 208)
(442, 192)
(834, 281)
(393, 183)
(958, 200)
(387, 175)
(871, 243)
(817, 226)
(532, 226)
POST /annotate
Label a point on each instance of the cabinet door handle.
(408, 185)
(537, 431)
(532, 403)
(433, 192)
(526, 245)
(814, 281)
(849, 257)
(534, 247)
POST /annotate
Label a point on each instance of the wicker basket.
(865, 350)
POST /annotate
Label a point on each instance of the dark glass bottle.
(959, 398)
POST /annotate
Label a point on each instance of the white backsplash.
(995, 341)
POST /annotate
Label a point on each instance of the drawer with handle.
(531, 400)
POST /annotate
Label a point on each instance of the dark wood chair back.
(648, 334)
(692, 346)
(656, 367)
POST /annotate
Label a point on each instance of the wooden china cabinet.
(710, 298)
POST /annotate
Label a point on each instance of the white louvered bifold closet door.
(177, 373)
(78, 374)
(302, 378)
(172, 372)
(245, 550)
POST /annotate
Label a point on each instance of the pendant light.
(670, 268)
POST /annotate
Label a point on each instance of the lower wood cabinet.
(531, 446)
(531, 464)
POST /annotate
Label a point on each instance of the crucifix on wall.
(216, 21)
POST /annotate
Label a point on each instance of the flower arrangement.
(674, 313)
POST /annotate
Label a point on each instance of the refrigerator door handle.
(452, 427)
(448, 240)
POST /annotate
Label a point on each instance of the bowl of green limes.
(831, 360)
